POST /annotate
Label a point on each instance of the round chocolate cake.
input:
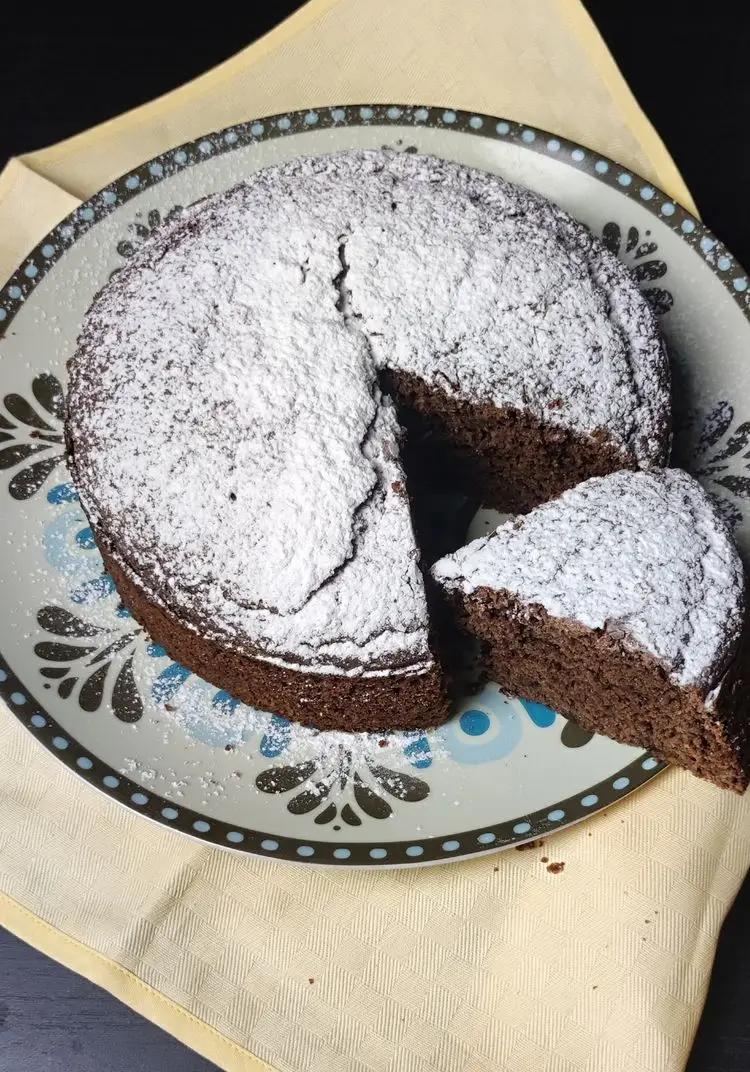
(239, 387)
(622, 605)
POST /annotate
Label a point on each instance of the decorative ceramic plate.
(86, 681)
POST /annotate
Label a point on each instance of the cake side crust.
(394, 701)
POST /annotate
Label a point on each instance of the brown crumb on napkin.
(530, 845)
(556, 868)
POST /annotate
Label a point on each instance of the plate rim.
(53, 246)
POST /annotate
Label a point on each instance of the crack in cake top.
(227, 428)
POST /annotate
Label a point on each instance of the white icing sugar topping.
(644, 553)
(227, 426)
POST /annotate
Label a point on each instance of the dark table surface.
(688, 66)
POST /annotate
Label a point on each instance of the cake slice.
(621, 605)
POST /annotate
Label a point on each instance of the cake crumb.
(311, 980)
(545, 859)
(530, 845)
(398, 486)
(556, 868)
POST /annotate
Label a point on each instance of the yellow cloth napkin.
(485, 966)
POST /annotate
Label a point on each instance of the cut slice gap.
(513, 461)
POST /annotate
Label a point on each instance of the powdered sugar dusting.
(227, 424)
(646, 553)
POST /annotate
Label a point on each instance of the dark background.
(688, 65)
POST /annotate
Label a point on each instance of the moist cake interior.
(609, 688)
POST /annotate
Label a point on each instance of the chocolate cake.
(236, 400)
(621, 605)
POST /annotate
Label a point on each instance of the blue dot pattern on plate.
(624, 179)
(522, 828)
(647, 192)
(621, 783)
(707, 244)
(451, 846)
(421, 114)
(156, 170)
(553, 145)
(740, 284)
(502, 127)
(3, 675)
(110, 781)
(414, 850)
(3, 314)
(378, 854)
(48, 250)
(366, 113)
(169, 813)
(133, 182)
(230, 137)
(342, 854)
(38, 721)
(528, 136)
(269, 845)
(17, 698)
(206, 147)
(589, 800)
(311, 119)
(84, 763)
(87, 214)
(687, 226)
(449, 117)
(338, 115)
(724, 263)
(284, 123)
(668, 209)
(556, 815)
(650, 763)
(235, 837)
(257, 129)
(61, 743)
(539, 713)
(602, 167)
(180, 157)
(394, 113)
(305, 850)
(476, 122)
(14, 292)
(578, 155)
(139, 798)
(201, 826)
(486, 839)
(109, 196)
(474, 722)
(30, 270)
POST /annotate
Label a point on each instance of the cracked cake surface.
(227, 428)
